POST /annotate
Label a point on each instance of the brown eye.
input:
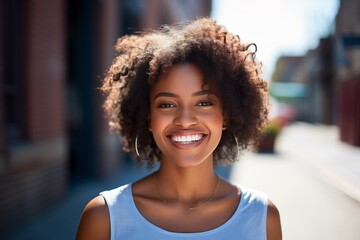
(166, 105)
(205, 104)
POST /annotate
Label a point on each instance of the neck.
(187, 185)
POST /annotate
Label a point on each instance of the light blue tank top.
(247, 223)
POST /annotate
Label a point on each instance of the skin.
(181, 106)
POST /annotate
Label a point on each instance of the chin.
(184, 160)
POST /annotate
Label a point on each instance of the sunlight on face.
(186, 116)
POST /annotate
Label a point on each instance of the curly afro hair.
(226, 63)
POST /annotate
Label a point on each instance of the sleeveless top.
(247, 223)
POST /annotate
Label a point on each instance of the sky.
(277, 27)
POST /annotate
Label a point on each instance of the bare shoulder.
(95, 221)
(273, 224)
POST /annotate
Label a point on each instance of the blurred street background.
(56, 152)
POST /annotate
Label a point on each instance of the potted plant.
(267, 145)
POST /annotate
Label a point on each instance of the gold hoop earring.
(136, 147)
(237, 148)
(237, 151)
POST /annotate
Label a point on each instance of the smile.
(187, 139)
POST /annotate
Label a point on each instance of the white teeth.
(187, 139)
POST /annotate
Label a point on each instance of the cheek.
(158, 123)
(216, 121)
(215, 118)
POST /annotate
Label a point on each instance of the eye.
(205, 104)
(166, 105)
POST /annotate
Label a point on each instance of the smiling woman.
(185, 116)
(189, 97)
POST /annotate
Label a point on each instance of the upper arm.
(273, 225)
(95, 221)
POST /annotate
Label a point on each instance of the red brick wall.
(28, 191)
(46, 71)
(107, 31)
(36, 174)
(349, 111)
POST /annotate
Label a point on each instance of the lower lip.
(188, 145)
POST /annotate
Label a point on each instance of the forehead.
(185, 77)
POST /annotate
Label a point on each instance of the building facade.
(331, 74)
(347, 59)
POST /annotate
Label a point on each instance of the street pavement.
(313, 178)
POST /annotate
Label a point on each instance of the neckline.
(163, 231)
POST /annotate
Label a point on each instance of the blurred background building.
(324, 85)
(53, 55)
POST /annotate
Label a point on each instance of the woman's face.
(186, 116)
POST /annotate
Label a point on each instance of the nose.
(185, 118)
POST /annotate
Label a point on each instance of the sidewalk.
(337, 163)
(309, 178)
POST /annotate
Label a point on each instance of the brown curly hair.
(226, 63)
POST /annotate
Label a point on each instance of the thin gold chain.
(195, 207)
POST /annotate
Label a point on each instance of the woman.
(188, 97)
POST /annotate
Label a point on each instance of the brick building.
(33, 171)
(52, 56)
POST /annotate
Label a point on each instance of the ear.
(225, 123)
(149, 124)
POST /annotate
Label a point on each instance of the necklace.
(197, 206)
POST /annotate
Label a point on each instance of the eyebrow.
(203, 92)
(173, 95)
